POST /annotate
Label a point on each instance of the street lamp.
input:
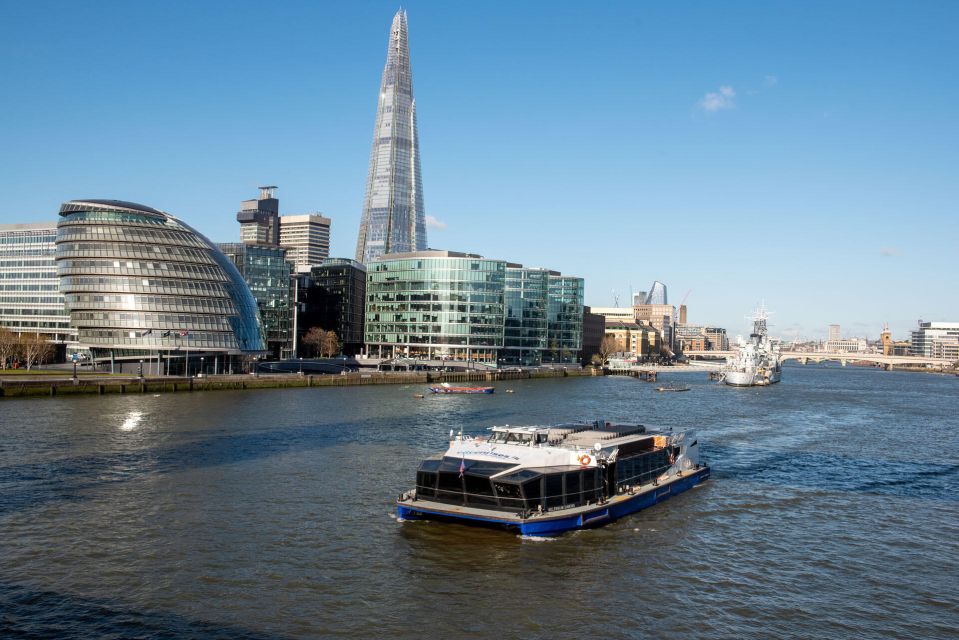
(202, 358)
(140, 370)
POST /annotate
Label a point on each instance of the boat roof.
(586, 434)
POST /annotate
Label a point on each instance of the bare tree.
(330, 344)
(607, 347)
(35, 349)
(314, 339)
(8, 346)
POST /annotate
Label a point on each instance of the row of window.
(117, 250)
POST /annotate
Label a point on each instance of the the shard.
(393, 219)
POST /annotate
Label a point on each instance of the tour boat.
(446, 388)
(545, 480)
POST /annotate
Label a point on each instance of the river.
(832, 511)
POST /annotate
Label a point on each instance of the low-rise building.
(923, 337)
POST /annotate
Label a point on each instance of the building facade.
(657, 294)
(140, 284)
(594, 328)
(267, 273)
(923, 337)
(393, 218)
(564, 320)
(306, 239)
(333, 298)
(525, 331)
(659, 316)
(436, 305)
(30, 298)
(716, 339)
(260, 219)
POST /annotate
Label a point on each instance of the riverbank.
(49, 385)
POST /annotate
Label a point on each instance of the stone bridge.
(888, 362)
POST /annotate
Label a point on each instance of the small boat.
(673, 387)
(446, 388)
(546, 480)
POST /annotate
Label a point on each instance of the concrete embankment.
(20, 385)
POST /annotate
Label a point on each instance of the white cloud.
(719, 100)
(771, 81)
(433, 223)
(888, 252)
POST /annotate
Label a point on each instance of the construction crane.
(676, 310)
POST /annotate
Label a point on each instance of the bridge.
(803, 357)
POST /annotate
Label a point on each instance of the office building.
(659, 316)
(260, 219)
(615, 314)
(716, 339)
(564, 320)
(657, 294)
(393, 218)
(267, 273)
(306, 238)
(594, 328)
(923, 337)
(332, 297)
(527, 299)
(142, 285)
(834, 332)
(30, 298)
(436, 305)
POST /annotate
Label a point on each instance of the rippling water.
(833, 511)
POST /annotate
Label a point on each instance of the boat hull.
(554, 524)
(468, 390)
(746, 379)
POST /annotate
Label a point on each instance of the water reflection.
(132, 420)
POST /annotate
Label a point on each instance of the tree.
(330, 344)
(35, 349)
(607, 347)
(8, 346)
(314, 339)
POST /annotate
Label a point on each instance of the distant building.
(848, 345)
(267, 273)
(307, 240)
(947, 348)
(144, 287)
(30, 298)
(260, 219)
(923, 337)
(615, 314)
(716, 339)
(332, 297)
(634, 338)
(659, 316)
(834, 332)
(657, 294)
(885, 339)
(594, 328)
(682, 314)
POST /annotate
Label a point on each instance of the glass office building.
(525, 334)
(140, 284)
(267, 273)
(393, 219)
(30, 298)
(435, 305)
(564, 322)
(335, 300)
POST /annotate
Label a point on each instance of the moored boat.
(673, 387)
(447, 388)
(545, 480)
(757, 363)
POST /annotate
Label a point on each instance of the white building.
(928, 332)
(306, 238)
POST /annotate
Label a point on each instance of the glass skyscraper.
(564, 323)
(527, 299)
(393, 219)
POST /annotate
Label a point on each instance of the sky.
(801, 154)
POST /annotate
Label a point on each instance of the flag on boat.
(146, 333)
(462, 466)
(184, 333)
(166, 334)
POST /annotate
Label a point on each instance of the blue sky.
(805, 154)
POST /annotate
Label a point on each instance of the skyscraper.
(657, 294)
(393, 220)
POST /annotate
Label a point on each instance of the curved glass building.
(435, 305)
(140, 284)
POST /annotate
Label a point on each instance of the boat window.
(479, 491)
(554, 490)
(573, 495)
(509, 495)
(425, 484)
(533, 490)
(450, 486)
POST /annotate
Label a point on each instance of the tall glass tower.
(393, 219)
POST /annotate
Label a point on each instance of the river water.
(833, 511)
